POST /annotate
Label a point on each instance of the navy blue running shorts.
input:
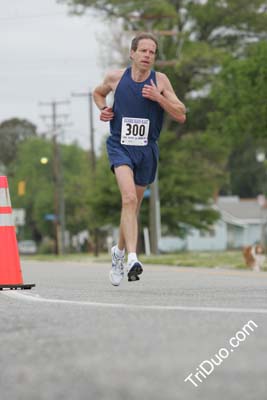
(143, 160)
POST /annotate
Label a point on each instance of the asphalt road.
(76, 337)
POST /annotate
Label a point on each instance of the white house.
(242, 223)
(245, 220)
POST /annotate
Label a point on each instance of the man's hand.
(151, 92)
(107, 114)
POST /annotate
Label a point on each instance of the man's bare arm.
(100, 94)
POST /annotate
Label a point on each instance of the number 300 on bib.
(134, 131)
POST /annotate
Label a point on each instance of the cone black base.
(26, 286)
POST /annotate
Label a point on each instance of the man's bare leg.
(131, 196)
(140, 194)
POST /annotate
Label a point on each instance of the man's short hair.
(143, 35)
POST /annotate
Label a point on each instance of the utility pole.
(154, 216)
(92, 156)
(59, 201)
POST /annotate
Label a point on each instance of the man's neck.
(140, 75)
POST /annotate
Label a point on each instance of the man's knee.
(129, 200)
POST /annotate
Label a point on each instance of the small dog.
(254, 256)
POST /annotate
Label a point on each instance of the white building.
(242, 223)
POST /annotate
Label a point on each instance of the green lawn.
(222, 259)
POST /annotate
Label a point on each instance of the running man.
(141, 95)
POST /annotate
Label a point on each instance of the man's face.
(144, 56)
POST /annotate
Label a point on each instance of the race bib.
(134, 131)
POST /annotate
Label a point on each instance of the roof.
(241, 211)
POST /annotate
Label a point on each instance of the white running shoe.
(116, 273)
(134, 269)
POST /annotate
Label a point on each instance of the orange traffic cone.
(10, 271)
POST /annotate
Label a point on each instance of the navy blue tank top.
(129, 102)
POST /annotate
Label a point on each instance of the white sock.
(119, 253)
(132, 257)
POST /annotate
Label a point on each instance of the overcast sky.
(46, 55)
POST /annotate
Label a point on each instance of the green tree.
(190, 171)
(38, 200)
(247, 176)
(239, 118)
(12, 132)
